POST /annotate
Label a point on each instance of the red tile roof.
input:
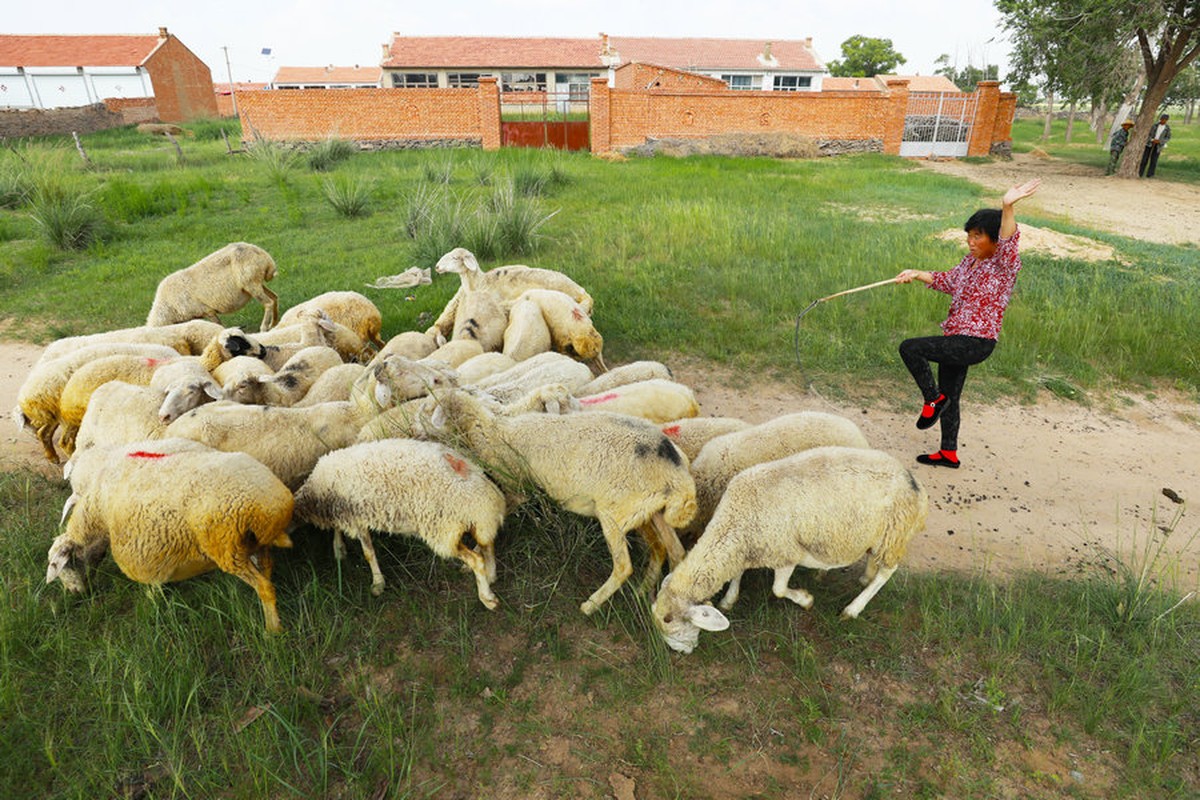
(835, 84)
(489, 52)
(925, 83)
(76, 51)
(330, 74)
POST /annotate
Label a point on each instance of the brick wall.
(635, 75)
(133, 110)
(307, 115)
(183, 87)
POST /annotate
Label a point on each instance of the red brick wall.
(133, 110)
(650, 76)
(307, 115)
(183, 88)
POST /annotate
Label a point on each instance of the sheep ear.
(59, 557)
(263, 378)
(383, 395)
(67, 506)
(438, 418)
(706, 618)
(214, 390)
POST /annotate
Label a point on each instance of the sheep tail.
(20, 419)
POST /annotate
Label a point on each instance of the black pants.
(953, 354)
(1149, 160)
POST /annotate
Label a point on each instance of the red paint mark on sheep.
(146, 454)
(672, 431)
(457, 464)
(577, 313)
(155, 363)
(604, 398)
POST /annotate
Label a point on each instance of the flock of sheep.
(195, 447)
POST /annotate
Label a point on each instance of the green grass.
(949, 686)
(1179, 162)
(727, 250)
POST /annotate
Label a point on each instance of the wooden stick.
(79, 146)
(858, 289)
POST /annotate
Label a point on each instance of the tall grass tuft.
(443, 230)
(515, 220)
(328, 153)
(439, 169)
(278, 160)
(419, 207)
(349, 196)
(66, 215)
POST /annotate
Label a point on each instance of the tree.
(866, 57)
(969, 76)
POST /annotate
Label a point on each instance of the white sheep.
(527, 333)
(540, 370)
(571, 328)
(728, 454)
(119, 413)
(618, 469)
(219, 283)
(657, 400)
(38, 398)
(481, 366)
(404, 486)
(332, 385)
(288, 440)
(189, 338)
(167, 516)
(507, 282)
(351, 309)
(822, 509)
(313, 328)
(691, 434)
(235, 369)
(290, 384)
(410, 344)
(455, 352)
(397, 379)
(626, 373)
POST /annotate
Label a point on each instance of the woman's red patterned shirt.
(980, 290)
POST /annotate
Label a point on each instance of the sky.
(230, 37)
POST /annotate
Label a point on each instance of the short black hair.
(986, 220)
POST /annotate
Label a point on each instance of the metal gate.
(545, 119)
(938, 124)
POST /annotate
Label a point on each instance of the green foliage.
(277, 160)
(328, 153)
(66, 215)
(965, 78)
(865, 57)
(350, 196)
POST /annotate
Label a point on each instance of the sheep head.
(398, 378)
(459, 260)
(184, 397)
(680, 621)
(234, 342)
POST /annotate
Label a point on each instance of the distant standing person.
(1116, 144)
(979, 288)
(1159, 136)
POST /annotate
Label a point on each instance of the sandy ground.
(1055, 486)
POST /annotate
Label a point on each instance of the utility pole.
(229, 72)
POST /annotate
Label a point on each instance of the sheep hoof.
(588, 607)
(848, 614)
(377, 588)
(491, 603)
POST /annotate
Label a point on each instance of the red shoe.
(930, 412)
(942, 458)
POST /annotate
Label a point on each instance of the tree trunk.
(1049, 116)
(1070, 122)
(1147, 118)
(1127, 103)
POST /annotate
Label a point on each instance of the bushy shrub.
(328, 153)
(349, 196)
(67, 216)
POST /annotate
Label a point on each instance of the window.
(747, 82)
(463, 80)
(578, 84)
(523, 81)
(414, 80)
(792, 83)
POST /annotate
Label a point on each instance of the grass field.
(1179, 162)
(949, 686)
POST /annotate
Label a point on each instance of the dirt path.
(1056, 486)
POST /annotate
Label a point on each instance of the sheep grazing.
(189, 338)
(571, 328)
(220, 283)
(691, 434)
(119, 413)
(167, 515)
(729, 454)
(84, 381)
(618, 469)
(38, 398)
(823, 508)
(351, 309)
(656, 400)
(404, 486)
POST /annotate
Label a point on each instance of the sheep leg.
(669, 538)
(478, 565)
(364, 538)
(859, 603)
(270, 304)
(45, 434)
(260, 579)
(339, 545)
(622, 567)
(870, 569)
(780, 588)
(66, 439)
(731, 594)
(488, 551)
(658, 554)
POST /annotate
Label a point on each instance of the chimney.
(808, 42)
(387, 51)
(608, 57)
(162, 33)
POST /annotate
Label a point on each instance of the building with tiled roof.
(329, 77)
(561, 64)
(63, 71)
(878, 83)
